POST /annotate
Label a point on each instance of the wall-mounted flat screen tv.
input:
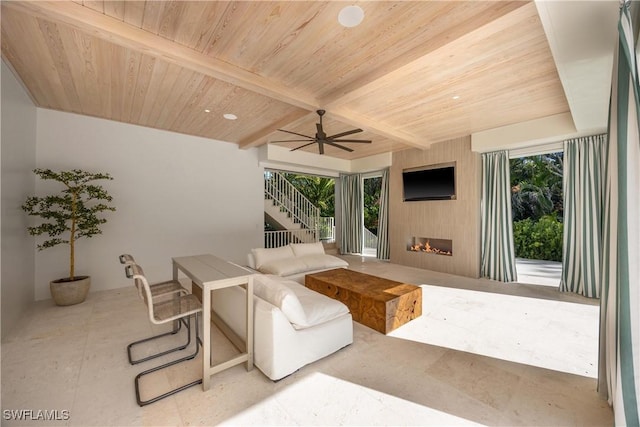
(438, 183)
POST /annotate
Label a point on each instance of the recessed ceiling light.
(206, 110)
(455, 97)
(351, 16)
(230, 116)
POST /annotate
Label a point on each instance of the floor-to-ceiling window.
(537, 208)
(372, 185)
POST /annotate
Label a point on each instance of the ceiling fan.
(322, 138)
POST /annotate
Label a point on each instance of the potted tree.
(73, 213)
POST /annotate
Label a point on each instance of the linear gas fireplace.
(431, 246)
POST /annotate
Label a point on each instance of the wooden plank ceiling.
(272, 64)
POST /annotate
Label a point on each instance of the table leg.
(206, 339)
(175, 271)
(249, 343)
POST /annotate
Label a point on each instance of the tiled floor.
(450, 367)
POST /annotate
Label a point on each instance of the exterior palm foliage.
(318, 189)
(536, 184)
(372, 188)
(321, 192)
(536, 204)
(530, 201)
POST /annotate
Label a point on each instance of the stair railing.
(370, 239)
(327, 228)
(277, 238)
(290, 200)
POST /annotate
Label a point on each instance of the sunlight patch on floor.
(539, 272)
(313, 401)
(549, 334)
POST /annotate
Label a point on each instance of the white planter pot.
(65, 292)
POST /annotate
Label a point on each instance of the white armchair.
(294, 326)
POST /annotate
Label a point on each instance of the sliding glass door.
(372, 185)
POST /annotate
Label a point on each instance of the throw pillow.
(263, 256)
(276, 293)
(301, 306)
(283, 267)
(321, 262)
(301, 249)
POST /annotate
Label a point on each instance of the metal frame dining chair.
(159, 291)
(182, 307)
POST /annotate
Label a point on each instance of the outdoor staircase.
(278, 218)
(287, 211)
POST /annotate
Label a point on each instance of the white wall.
(175, 195)
(18, 154)
(274, 157)
(525, 134)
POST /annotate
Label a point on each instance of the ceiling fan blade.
(321, 137)
(295, 133)
(294, 140)
(362, 141)
(338, 146)
(302, 146)
(349, 132)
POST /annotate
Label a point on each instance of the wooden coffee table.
(378, 303)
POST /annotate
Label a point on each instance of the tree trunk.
(72, 238)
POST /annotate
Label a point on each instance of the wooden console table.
(209, 272)
(378, 303)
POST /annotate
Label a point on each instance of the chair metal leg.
(166, 365)
(174, 331)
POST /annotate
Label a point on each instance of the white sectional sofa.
(293, 325)
(293, 261)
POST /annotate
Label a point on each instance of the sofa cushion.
(320, 262)
(283, 267)
(301, 249)
(302, 307)
(300, 264)
(275, 292)
(317, 308)
(263, 256)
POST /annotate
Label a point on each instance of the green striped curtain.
(382, 251)
(583, 185)
(351, 202)
(498, 254)
(619, 364)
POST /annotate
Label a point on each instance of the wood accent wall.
(458, 220)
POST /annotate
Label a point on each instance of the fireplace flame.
(426, 247)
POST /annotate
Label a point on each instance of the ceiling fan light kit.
(321, 137)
